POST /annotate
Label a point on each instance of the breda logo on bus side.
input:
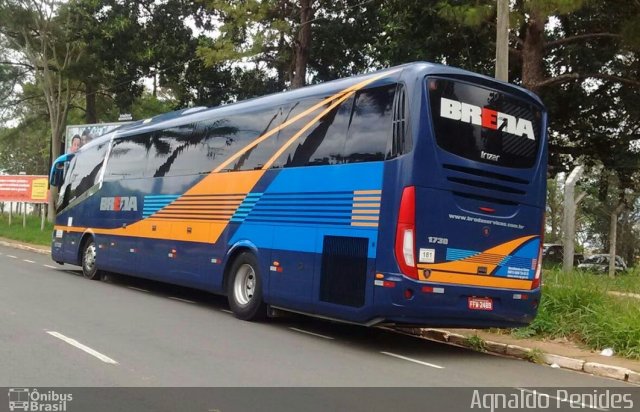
(485, 117)
(119, 204)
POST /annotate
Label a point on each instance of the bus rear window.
(484, 125)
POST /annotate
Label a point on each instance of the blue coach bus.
(412, 195)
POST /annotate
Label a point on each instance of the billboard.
(80, 134)
(23, 188)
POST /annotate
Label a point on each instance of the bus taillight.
(405, 233)
(537, 280)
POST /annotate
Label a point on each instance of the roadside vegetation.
(29, 234)
(578, 306)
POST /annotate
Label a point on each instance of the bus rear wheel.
(89, 267)
(244, 288)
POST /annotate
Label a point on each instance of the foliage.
(576, 306)
(25, 148)
(476, 343)
(535, 355)
(265, 36)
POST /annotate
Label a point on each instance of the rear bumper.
(446, 305)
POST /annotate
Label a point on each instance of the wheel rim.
(244, 285)
(89, 259)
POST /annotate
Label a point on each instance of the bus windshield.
(484, 125)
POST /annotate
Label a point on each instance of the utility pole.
(502, 41)
(569, 221)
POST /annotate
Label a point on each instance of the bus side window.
(323, 142)
(256, 124)
(127, 158)
(64, 195)
(86, 171)
(371, 125)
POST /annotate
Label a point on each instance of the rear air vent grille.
(485, 185)
(484, 173)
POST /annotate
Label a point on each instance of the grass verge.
(29, 234)
(577, 306)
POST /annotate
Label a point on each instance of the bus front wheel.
(244, 289)
(89, 267)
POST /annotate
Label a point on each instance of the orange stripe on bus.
(356, 217)
(366, 205)
(478, 280)
(367, 199)
(367, 192)
(365, 224)
(366, 211)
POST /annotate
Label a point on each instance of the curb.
(24, 247)
(528, 354)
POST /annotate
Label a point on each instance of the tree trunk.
(53, 191)
(91, 115)
(533, 52)
(303, 45)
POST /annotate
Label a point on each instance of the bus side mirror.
(56, 177)
(57, 174)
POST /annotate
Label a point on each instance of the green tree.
(301, 41)
(42, 40)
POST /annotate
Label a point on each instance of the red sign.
(22, 188)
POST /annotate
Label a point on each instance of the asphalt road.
(59, 329)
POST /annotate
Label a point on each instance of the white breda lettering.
(130, 203)
(506, 123)
(119, 204)
(450, 108)
(487, 118)
(106, 203)
(471, 114)
(523, 128)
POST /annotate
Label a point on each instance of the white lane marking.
(138, 289)
(50, 267)
(12, 257)
(226, 310)
(432, 365)
(73, 342)
(311, 333)
(28, 261)
(570, 402)
(181, 300)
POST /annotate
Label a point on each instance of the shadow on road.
(368, 338)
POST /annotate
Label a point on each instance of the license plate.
(480, 303)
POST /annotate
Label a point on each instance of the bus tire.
(244, 289)
(89, 267)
